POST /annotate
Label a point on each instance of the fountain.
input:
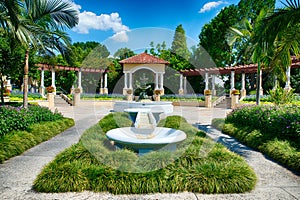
(157, 107)
(145, 136)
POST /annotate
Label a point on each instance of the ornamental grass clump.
(202, 166)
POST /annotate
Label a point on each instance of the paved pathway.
(18, 173)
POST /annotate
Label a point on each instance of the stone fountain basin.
(155, 106)
(145, 138)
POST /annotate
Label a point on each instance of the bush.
(17, 118)
(18, 141)
(218, 123)
(281, 96)
(281, 121)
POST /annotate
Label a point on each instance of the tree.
(213, 36)
(281, 34)
(179, 46)
(123, 53)
(34, 22)
(10, 60)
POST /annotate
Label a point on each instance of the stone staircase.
(60, 102)
(226, 103)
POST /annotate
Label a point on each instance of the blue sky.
(119, 23)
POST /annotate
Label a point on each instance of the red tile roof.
(143, 58)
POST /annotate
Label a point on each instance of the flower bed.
(17, 118)
(282, 121)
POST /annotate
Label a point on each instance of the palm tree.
(9, 11)
(44, 19)
(251, 46)
(281, 35)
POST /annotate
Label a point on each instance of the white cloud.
(120, 36)
(210, 5)
(104, 22)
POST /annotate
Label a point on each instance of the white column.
(243, 90)
(184, 85)
(53, 79)
(181, 82)
(156, 81)
(42, 87)
(79, 80)
(243, 81)
(232, 80)
(213, 87)
(260, 84)
(161, 81)
(288, 79)
(42, 78)
(125, 80)
(206, 81)
(105, 80)
(130, 80)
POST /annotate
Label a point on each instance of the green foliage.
(218, 123)
(123, 53)
(16, 142)
(281, 121)
(179, 46)
(16, 118)
(115, 120)
(203, 167)
(283, 150)
(281, 96)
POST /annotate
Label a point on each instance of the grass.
(198, 165)
(17, 142)
(284, 151)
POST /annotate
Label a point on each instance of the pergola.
(53, 68)
(239, 69)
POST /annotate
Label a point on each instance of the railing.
(63, 95)
(219, 100)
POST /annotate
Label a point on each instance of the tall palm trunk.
(25, 82)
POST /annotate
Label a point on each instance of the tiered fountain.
(145, 136)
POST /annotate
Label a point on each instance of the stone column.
(42, 87)
(234, 101)
(260, 84)
(125, 83)
(162, 83)
(288, 79)
(181, 85)
(243, 90)
(79, 81)
(232, 81)
(184, 85)
(130, 80)
(53, 79)
(105, 90)
(76, 97)
(206, 81)
(208, 103)
(156, 81)
(213, 87)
